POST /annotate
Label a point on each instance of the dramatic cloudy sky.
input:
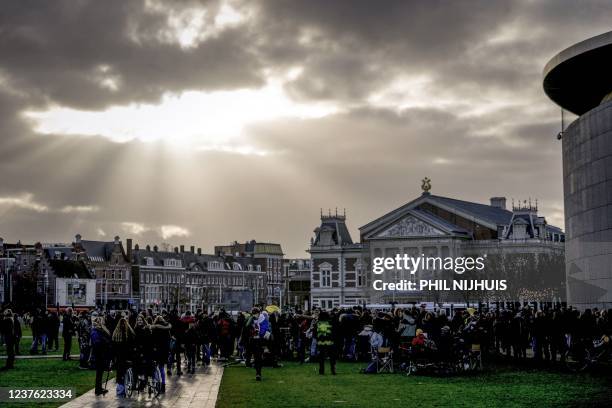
(206, 122)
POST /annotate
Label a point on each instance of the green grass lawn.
(301, 386)
(51, 373)
(26, 331)
(26, 343)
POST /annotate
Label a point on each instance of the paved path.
(188, 391)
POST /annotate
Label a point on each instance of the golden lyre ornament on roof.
(426, 185)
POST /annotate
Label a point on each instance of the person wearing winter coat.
(68, 329)
(259, 328)
(160, 337)
(7, 330)
(123, 349)
(143, 351)
(84, 331)
(407, 327)
(18, 333)
(53, 324)
(324, 333)
(176, 345)
(39, 332)
(100, 349)
(207, 332)
(191, 342)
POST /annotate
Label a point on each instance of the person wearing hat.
(7, 329)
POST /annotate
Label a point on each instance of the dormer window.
(175, 263)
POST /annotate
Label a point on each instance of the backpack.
(264, 328)
(225, 327)
(371, 368)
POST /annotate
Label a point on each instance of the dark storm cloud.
(481, 125)
(53, 50)
(359, 46)
(355, 46)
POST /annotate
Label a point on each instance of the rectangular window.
(326, 278)
(361, 278)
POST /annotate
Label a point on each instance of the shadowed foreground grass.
(301, 386)
(48, 373)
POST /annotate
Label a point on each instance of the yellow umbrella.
(471, 311)
(272, 308)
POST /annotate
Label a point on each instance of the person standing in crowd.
(302, 341)
(53, 335)
(100, 348)
(324, 334)
(7, 329)
(18, 333)
(68, 330)
(143, 350)
(176, 346)
(259, 328)
(407, 326)
(206, 330)
(191, 341)
(160, 338)
(84, 331)
(122, 348)
(224, 334)
(39, 332)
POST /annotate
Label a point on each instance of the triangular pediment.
(409, 226)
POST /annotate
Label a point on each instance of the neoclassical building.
(517, 243)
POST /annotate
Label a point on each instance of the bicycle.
(582, 355)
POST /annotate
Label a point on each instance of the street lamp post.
(46, 283)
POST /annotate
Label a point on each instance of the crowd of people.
(176, 343)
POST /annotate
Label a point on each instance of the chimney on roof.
(128, 249)
(77, 238)
(182, 248)
(498, 202)
(155, 248)
(192, 249)
(199, 251)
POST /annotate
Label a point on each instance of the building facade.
(190, 280)
(267, 256)
(297, 283)
(578, 80)
(337, 270)
(110, 265)
(517, 245)
(64, 279)
(433, 226)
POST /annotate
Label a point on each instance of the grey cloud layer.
(367, 158)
